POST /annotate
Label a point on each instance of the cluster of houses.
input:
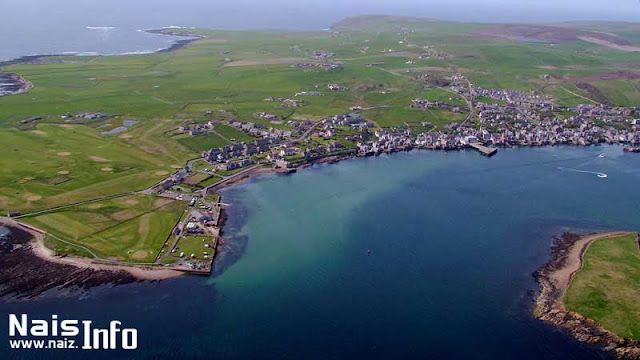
(514, 97)
(262, 130)
(320, 55)
(463, 136)
(427, 104)
(308, 93)
(323, 66)
(282, 157)
(430, 52)
(196, 129)
(336, 87)
(228, 152)
(520, 118)
(286, 103)
(86, 116)
(235, 156)
(350, 119)
(267, 116)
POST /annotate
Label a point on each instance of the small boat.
(631, 149)
(368, 251)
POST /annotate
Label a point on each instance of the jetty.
(486, 151)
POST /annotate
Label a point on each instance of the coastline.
(38, 249)
(554, 279)
(25, 85)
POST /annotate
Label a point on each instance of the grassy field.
(202, 142)
(607, 289)
(194, 245)
(60, 164)
(132, 228)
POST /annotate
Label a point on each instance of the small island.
(590, 288)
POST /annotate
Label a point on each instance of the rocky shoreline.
(554, 278)
(188, 39)
(12, 84)
(24, 275)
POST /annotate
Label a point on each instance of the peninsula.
(590, 288)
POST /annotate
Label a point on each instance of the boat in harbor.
(631, 149)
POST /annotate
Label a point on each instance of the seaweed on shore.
(23, 275)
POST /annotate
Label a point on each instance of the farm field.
(607, 288)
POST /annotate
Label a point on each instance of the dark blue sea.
(418, 255)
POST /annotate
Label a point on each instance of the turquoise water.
(453, 239)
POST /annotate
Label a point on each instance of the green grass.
(402, 116)
(132, 228)
(230, 133)
(62, 248)
(607, 288)
(194, 245)
(203, 142)
(210, 180)
(196, 179)
(55, 165)
(212, 198)
(201, 165)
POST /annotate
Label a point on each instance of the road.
(231, 177)
(308, 132)
(39, 212)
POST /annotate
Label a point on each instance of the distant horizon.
(45, 27)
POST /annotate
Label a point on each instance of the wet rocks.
(24, 275)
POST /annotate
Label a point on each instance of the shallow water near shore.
(453, 240)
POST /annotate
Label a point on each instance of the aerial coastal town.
(482, 119)
(129, 168)
(516, 118)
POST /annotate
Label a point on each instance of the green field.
(194, 245)
(203, 142)
(607, 288)
(60, 164)
(131, 228)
